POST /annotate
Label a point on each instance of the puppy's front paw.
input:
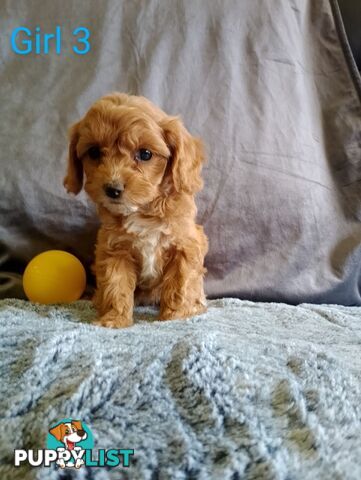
(191, 311)
(114, 319)
(79, 462)
(168, 314)
(61, 463)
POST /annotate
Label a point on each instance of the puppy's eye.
(94, 153)
(67, 432)
(143, 154)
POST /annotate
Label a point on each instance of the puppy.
(142, 169)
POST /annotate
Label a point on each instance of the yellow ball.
(54, 277)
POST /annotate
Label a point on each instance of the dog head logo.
(70, 438)
(69, 433)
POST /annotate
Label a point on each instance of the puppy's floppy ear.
(73, 181)
(77, 424)
(187, 156)
(58, 432)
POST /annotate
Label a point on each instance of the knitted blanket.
(247, 390)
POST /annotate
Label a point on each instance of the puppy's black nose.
(81, 433)
(112, 192)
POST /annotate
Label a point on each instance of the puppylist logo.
(70, 444)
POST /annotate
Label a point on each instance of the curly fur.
(149, 248)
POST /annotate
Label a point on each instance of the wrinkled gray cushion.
(267, 86)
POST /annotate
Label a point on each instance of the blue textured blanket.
(255, 391)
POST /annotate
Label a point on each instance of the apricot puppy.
(142, 169)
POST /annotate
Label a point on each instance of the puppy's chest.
(150, 252)
(151, 243)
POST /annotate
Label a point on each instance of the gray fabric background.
(265, 83)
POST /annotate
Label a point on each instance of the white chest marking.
(147, 242)
(148, 248)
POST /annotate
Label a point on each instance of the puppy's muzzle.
(113, 191)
